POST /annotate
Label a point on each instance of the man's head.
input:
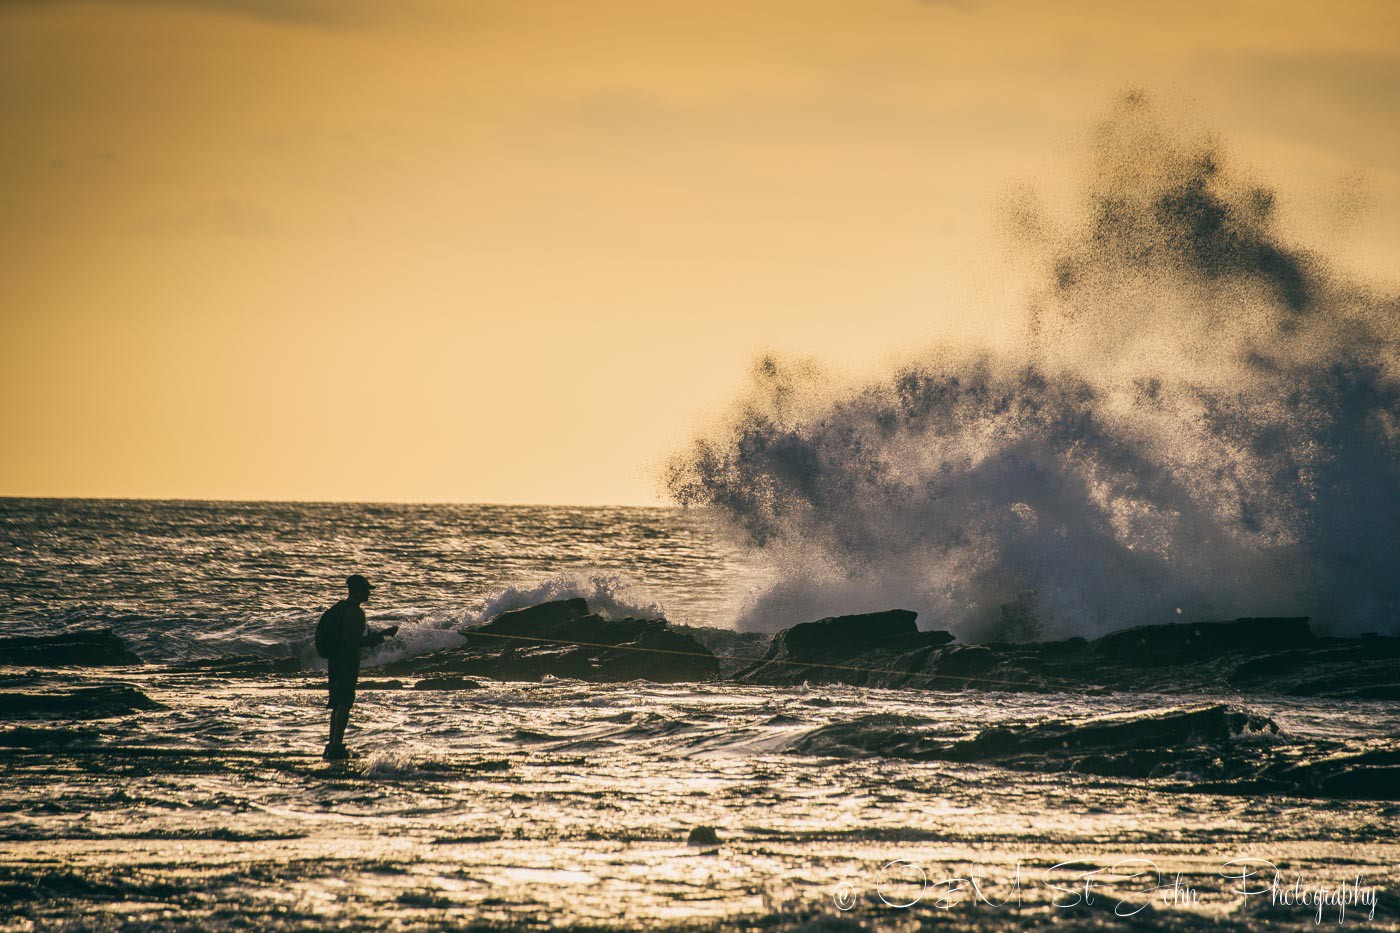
(359, 588)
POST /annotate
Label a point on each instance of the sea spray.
(612, 595)
(1200, 421)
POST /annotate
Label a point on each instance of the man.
(339, 637)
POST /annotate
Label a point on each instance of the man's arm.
(356, 619)
(377, 638)
(369, 639)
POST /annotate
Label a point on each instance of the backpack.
(328, 633)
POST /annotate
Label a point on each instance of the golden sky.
(514, 250)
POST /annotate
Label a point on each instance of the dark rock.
(1206, 749)
(1381, 646)
(447, 683)
(1197, 641)
(426, 900)
(918, 641)
(1063, 648)
(27, 737)
(735, 650)
(883, 649)
(657, 653)
(1131, 763)
(85, 649)
(1212, 725)
(703, 836)
(85, 703)
(1364, 783)
(1365, 668)
(886, 735)
(536, 620)
(593, 630)
(1204, 741)
(1356, 679)
(1054, 745)
(963, 660)
(1269, 656)
(842, 635)
(1368, 775)
(563, 639)
(1271, 666)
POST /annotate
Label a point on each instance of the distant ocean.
(187, 579)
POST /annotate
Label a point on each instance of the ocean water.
(182, 580)
(567, 805)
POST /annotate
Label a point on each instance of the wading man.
(340, 635)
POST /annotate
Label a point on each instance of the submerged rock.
(963, 660)
(86, 649)
(1203, 749)
(703, 836)
(240, 666)
(1167, 733)
(85, 703)
(564, 639)
(29, 737)
(1361, 782)
(447, 683)
(1046, 746)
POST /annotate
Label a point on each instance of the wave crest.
(611, 595)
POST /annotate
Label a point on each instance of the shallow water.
(569, 804)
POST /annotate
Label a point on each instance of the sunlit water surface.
(564, 803)
(559, 804)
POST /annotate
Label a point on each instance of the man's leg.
(341, 675)
(340, 701)
(340, 718)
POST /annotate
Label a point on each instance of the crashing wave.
(1201, 421)
(611, 595)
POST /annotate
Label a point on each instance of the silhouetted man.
(340, 635)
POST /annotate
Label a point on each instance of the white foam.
(391, 764)
(611, 595)
(412, 640)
